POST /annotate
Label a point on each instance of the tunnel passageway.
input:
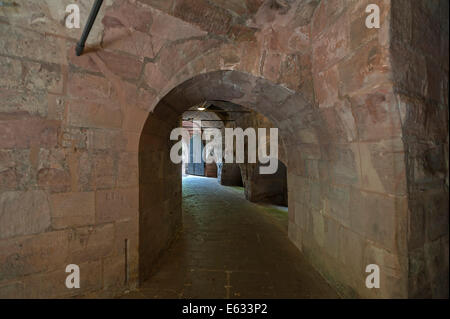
(231, 248)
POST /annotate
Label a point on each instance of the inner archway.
(160, 179)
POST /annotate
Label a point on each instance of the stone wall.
(353, 207)
(84, 170)
(271, 188)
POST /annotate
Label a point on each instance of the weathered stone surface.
(351, 249)
(392, 267)
(206, 16)
(376, 116)
(25, 43)
(87, 86)
(272, 65)
(383, 167)
(359, 34)
(53, 284)
(125, 14)
(8, 175)
(318, 228)
(177, 29)
(17, 170)
(409, 68)
(136, 43)
(365, 70)
(331, 46)
(128, 170)
(163, 5)
(23, 213)
(156, 78)
(104, 169)
(344, 164)
(106, 139)
(54, 179)
(90, 243)
(384, 221)
(114, 275)
(56, 107)
(332, 238)
(11, 290)
(19, 130)
(75, 138)
(339, 122)
(47, 17)
(21, 100)
(422, 102)
(338, 204)
(121, 65)
(436, 260)
(43, 77)
(12, 73)
(435, 204)
(134, 120)
(363, 114)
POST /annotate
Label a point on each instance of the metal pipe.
(94, 11)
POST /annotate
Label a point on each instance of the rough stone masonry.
(363, 113)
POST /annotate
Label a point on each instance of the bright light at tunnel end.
(214, 152)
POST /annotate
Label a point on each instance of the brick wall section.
(419, 49)
(84, 173)
(230, 174)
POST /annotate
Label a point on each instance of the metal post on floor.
(87, 29)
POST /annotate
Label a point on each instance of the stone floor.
(231, 248)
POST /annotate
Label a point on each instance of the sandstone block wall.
(270, 188)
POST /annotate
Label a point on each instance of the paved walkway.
(231, 248)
